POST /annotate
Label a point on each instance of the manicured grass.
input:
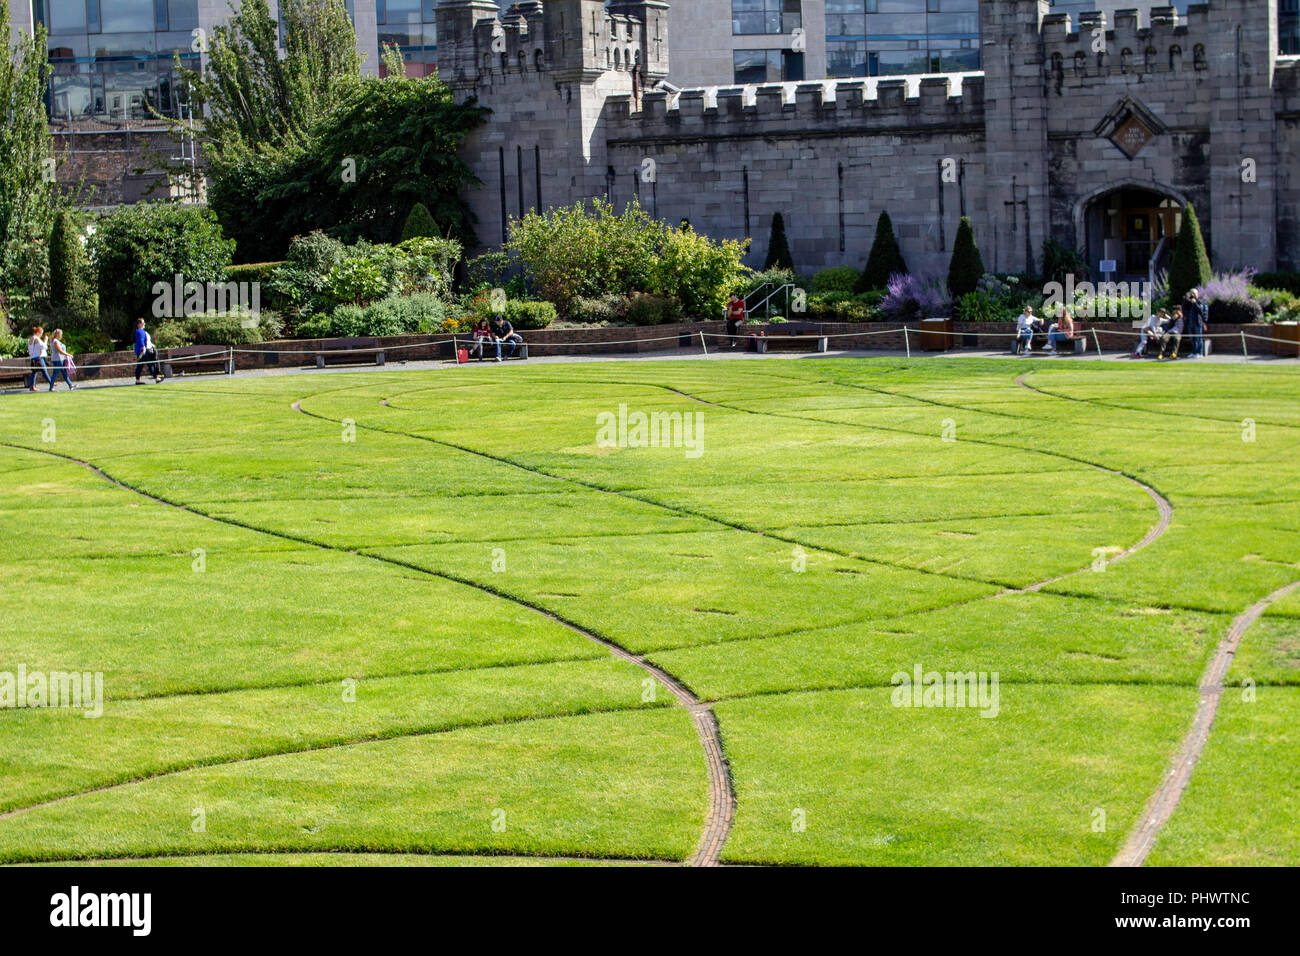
(444, 538)
(1240, 808)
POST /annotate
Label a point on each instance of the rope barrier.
(228, 353)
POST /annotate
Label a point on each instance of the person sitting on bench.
(1172, 333)
(1061, 331)
(482, 334)
(504, 332)
(1025, 331)
(1150, 331)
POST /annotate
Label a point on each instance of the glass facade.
(409, 25)
(1288, 18)
(890, 37)
(113, 59)
(753, 17)
(768, 66)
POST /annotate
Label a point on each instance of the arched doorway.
(1135, 226)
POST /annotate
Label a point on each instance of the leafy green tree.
(778, 247)
(260, 102)
(966, 268)
(420, 223)
(135, 247)
(389, 144)
(1190, 267)
(65, 259)
(697, 271)
(884, 260)
(580, 252)
(28, 197)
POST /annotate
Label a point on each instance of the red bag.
(462, 356)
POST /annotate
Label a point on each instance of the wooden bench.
(349, 352)
(1077, 345)
(15, 370)
(815, 343)
(192, 359)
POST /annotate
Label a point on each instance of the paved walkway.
(690, 355)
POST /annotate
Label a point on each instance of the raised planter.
(1286, 339)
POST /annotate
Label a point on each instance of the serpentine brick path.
(1165, 800)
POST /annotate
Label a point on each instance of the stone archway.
(1126, 221)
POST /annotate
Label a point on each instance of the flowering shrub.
(910, 298)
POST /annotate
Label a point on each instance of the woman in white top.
(60, 359)
(1025, 330)
(36, 352)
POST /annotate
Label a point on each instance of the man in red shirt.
(735, 316)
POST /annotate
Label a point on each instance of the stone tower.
(1017, 198)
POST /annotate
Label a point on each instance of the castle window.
(523, 62)
(1150, 64)
(1125, 59)
(1198, 56)
(537, 60)
(1080, 62)
(1176, 58)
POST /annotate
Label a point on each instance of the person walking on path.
(1196, 316)
(146, 356)
(36, 350)
(62, 360)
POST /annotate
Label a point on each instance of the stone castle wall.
(1022, 148)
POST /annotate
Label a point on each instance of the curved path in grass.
(716, 829)
(1165, 800)
(722, 801)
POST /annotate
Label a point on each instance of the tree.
(420, 223)
(136, 247)
(580, 252)
(389, 144)
(1191, 264)
(697, 271)
(884, 260)
(966, 268)
(65, 259)
(260, 102)
(28, 197)
(778, 248)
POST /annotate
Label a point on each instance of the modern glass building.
(888, 37)
(409, 25)
(114, 59)
(1288, 16)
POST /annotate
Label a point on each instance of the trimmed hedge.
(1236, 312)
(1287, 281)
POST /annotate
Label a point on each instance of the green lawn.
(368, 632)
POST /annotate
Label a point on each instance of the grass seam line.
(1165, 800)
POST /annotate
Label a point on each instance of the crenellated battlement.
(1132, 43)
(570, 40)
(920, 102)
